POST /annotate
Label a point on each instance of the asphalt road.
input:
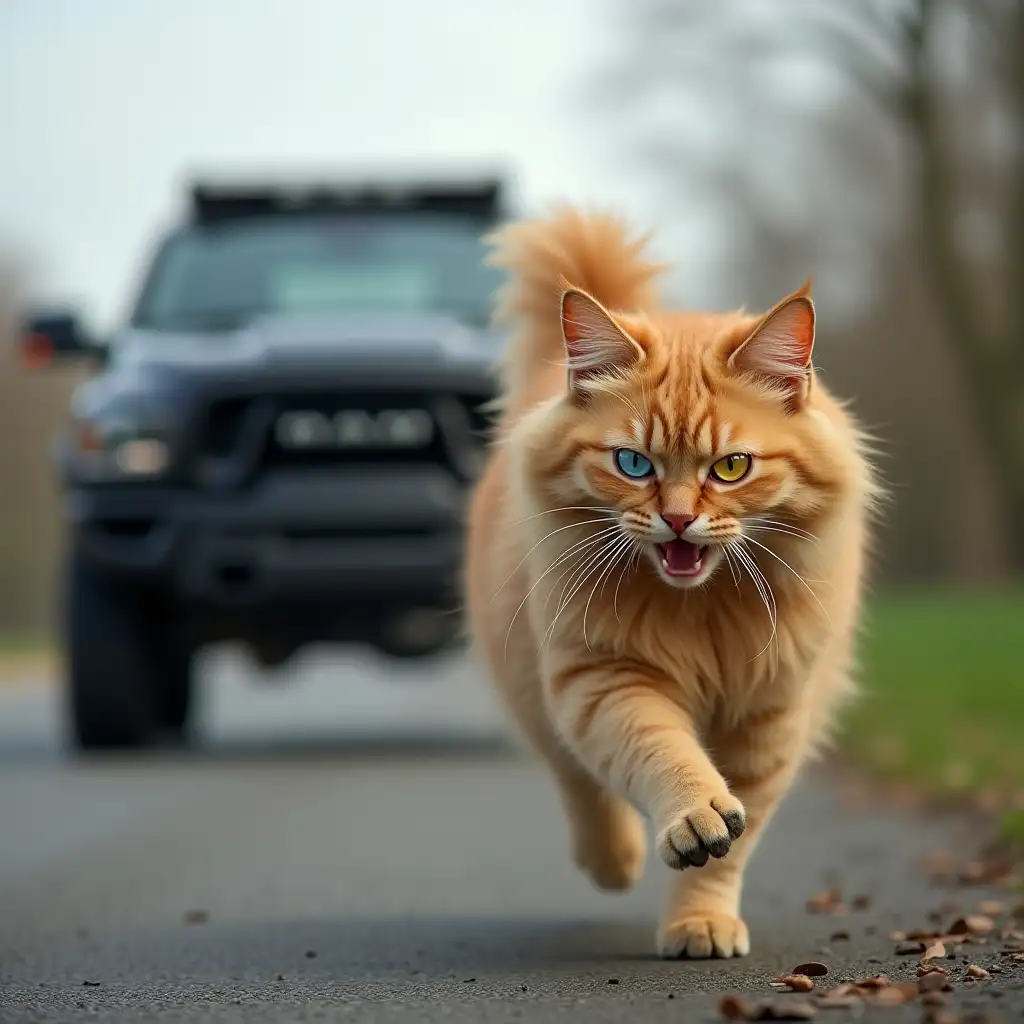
(360, 845)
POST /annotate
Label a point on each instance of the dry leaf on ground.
(909, 948)
(735, 1008)
(811, 970)
(974, 971)
(862, 902)
(828, 902)
(797, 982)
(898, 994)
(936, 980)
(875, 982)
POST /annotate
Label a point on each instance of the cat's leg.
(609, 843)
(702, 914)
(631, 733)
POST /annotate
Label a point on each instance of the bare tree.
(940, 80)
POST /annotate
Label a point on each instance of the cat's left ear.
(779, 348)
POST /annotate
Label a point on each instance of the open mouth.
(681, 558)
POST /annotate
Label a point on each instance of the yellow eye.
(732, 468)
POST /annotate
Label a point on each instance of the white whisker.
(561, 529)
(635, 554)
(787, 527)
(566, 508)
(767, 596)
(618, 549)
(803, 582)
(583, 545)
(593, 563)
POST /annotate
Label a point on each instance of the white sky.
(106, 106)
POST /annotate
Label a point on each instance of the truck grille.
(243, 437)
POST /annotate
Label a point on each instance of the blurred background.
(878, 146)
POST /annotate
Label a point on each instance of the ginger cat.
(665, 561)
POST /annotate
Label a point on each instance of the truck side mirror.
(47, 337)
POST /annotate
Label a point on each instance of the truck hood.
(303, 344)
(151, 375)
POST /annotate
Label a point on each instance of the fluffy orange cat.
(665, 561)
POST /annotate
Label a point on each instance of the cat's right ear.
(595, 345)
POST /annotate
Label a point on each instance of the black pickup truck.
(277, 446)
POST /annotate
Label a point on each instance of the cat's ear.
(780, 346)
(595, 344)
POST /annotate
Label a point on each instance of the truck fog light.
(142, 457)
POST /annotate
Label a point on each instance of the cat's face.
(693, 432)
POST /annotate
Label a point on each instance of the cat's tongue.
(680, 557)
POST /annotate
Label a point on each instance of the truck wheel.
(175, 690)
(111, 690)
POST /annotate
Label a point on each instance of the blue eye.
(633, 464)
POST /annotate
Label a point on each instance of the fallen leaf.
(980, 924)
(974, 971)
(878, 981)
(811, 970)
(196, 916)
(897, 936)
(959, 927)
(734, 1008)
(936, 951)
(92, 984)
(937, 861)
(995, 871)
(789, 1010)
(923, 934)
(828, 902)
(842, 998)
(797, 982)
(897, 995)
(941, 1016)
(934, 981)
(839, 937)
(861, 903)
(993, 908)
(908, 948)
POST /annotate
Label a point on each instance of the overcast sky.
(107, 105)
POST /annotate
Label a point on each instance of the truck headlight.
(118, 453)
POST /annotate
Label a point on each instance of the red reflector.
(36, 351)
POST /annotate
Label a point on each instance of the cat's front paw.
(702, 830)
(699, 936)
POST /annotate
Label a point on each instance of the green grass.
(943, 681)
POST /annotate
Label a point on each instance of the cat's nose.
(678, 523)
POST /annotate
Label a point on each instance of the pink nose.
(678, 523)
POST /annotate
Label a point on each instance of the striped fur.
(694, 706)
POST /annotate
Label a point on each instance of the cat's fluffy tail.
(593, 252)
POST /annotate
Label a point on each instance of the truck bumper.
(361, 538)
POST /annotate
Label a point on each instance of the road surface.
(355, 843)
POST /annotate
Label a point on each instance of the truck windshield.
(221, 276)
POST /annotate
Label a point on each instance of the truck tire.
(112, 691)
(174, 690)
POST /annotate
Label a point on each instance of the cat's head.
(697, 433)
